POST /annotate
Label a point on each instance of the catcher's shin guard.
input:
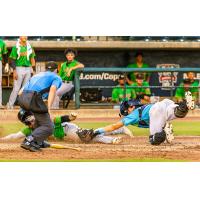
(157, 138)
(181, 110)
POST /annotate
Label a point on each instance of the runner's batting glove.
(72, 116)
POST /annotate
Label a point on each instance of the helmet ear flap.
(25, 116)
(124, 108)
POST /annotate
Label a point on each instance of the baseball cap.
(140, 76)
(187, 81)
(51, 65)
(121, 77)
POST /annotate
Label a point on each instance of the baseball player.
(31, 99)
(63, 128)
(118, 92)
(22, 60)
(154, 116)
(3, 57)
(67, 72)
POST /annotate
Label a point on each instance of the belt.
(67, 81)
(30, 91)
(23, 66)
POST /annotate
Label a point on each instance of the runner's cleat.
(117, 140)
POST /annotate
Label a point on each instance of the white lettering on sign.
(167, 79)
(103, 76)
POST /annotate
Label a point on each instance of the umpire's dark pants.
(43, 128)
(33, 102)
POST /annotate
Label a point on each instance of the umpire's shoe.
(44, 144)
(30, 144)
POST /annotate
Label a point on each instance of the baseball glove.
(86, 135)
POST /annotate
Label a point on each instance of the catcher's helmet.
(25, 116)
(128, 103)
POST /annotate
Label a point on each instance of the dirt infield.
(183, 148)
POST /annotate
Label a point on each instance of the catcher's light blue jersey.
(133, 118)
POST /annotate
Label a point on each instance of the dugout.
(118, 52)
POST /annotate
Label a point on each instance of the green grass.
(183, 128)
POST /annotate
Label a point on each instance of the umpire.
(31, 99)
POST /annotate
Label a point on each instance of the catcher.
(63, 128)
(154, 116)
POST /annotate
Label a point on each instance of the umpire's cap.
(25, 116)
(74, 51)
(51, 66)
(129, 103)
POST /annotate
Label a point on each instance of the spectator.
(66, 73)
(138, 64)
(186, 85)
(118, 92)
(3, 58)
(141, 93)
(22, 61)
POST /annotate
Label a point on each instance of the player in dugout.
(187, 85)
(118, 92)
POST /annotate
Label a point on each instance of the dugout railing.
(124, 71)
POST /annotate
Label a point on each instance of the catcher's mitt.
(86, 135)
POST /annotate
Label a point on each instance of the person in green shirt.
(22, 61)
(141, 93)
(67, 72)
(3, 58)
(187, 85)
(138, 64)
(118, 92)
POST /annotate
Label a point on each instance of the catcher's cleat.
(189, 100)
(126, 131)
(30, 145)
(117, 140)
(169, 132)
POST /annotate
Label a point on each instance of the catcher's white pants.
(160, 113)
(70, 131)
